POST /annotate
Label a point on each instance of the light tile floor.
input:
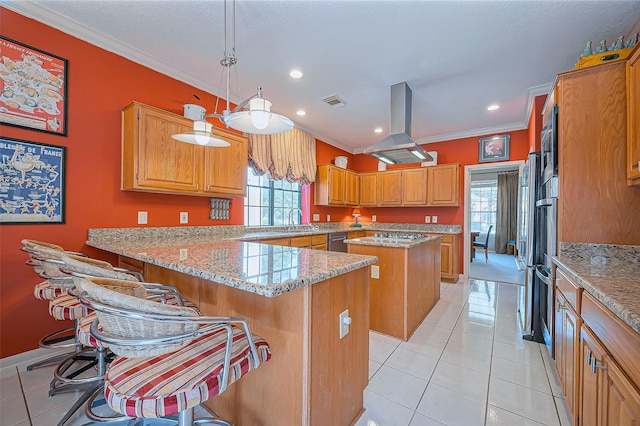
(465, 365)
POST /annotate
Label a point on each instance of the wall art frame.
(33, 88)
(494, 148)
(32, 182)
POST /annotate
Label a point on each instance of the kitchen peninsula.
(290, 296)
(405, 282)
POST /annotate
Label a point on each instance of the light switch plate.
(184, 217)
(316, 217)
(434, 219)
(373, 218)
(142, 218)
(427, 219)
(375, 271)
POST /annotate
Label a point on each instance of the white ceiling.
(457, 56)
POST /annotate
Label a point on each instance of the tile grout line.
(24, 397)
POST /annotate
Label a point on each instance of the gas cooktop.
(399, 236)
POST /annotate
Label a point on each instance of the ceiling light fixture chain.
(252, 115)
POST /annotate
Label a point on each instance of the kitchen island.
(290, 296)
(405, 282)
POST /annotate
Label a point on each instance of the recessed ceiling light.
(493, 107)
(301, 112)
(378, 130)
(296, 74)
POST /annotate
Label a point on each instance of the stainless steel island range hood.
(398, 147)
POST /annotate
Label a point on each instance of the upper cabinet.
(331, 186)
(369, 189)
(153, 161)
(352, 188)
(633, 118)
(390, 188)
(443, 185)
(414, 187)
(420, 187)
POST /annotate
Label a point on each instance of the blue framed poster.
(31, 182)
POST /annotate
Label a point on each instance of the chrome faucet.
(292, 226)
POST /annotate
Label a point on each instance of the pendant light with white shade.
(252, 115)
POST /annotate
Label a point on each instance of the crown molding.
(84, 33)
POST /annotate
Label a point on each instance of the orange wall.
(100, 85)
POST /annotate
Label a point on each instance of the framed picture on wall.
(33, 88)
(495, 148)
(31, 182)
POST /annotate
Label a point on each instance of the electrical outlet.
(345, 321)
(142, 218)
(427, 219)
(328, 218)
(373, 218)
(184, 217)
(434, 219)
(316, 217)
(184, 253)
(375, 271)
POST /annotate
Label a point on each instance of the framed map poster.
(33, 88)
(31, 182)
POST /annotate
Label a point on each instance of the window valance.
(290, 155)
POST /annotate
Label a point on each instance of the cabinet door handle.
(595, 365)
(197, 186)
(589, 357)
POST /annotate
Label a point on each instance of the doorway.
(479, 214)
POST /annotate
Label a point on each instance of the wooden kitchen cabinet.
(592, 154)
(591, 380)
(369, 189)
(390, 188)
(604, 390)
(449, 247)
(352, 188)
(443, 185)
(633, 118)
(152, 161)
(331, 186)
(225, 172)
(567, 329)
(414, 187)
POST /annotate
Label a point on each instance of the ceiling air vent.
(334, 101)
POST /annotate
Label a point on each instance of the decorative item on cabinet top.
(618, 51)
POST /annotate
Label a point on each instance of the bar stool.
(38, 252)
(79, 268)
(170, 359)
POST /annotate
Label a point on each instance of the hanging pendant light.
(252, 115)
(201, 135)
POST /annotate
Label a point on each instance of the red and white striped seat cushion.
(67, 307)
(45, 291)
(84, 325)
(167, 384)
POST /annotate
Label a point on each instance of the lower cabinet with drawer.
(605, 355)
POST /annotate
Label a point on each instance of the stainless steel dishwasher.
(336, 241)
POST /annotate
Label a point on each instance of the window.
(268, 202)
(484, 205)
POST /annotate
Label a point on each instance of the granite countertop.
(390, 242)
(609, 273)
(267, 270)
